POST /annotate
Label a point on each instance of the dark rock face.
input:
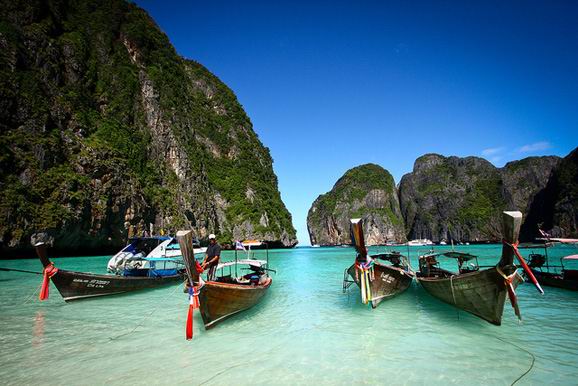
(448, 198)
(523, 179)
(451, 198)
(555, 208)
(105, 130)
(367, 192)
(461, 198)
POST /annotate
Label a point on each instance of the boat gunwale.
(116, 277)
(453, 275)
(408, 272)
(265, 285)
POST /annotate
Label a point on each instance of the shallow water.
(306, 331)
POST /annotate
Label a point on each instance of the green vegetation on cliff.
(103, 125)
(366, 191)
(461, 198)
(555, 208)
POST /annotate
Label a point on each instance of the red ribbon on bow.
(49, 271)
(198, 267)
(193, 304)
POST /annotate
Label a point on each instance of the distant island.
(450, 198)
(105, 131)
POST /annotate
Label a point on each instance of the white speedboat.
(145, 253)
(419, 242)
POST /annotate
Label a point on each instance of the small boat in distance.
(419, 243)
(380, 276)
(479, 292)
(232, 291)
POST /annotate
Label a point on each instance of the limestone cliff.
(523, 179)
(451, 197)
(555, 208)
(461, 198)
(104, 128)
(367, 192)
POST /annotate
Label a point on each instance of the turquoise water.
(306, 331)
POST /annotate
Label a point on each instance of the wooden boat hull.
(555, 280)
(388, 281)
(74, 285)
(219, 301)
(481, 293)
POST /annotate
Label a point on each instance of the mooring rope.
(33, 294)
(452, 287)
(145, 318)
(526, 351)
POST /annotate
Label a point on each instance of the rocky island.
(450, 198)
(366, 191)
(105, 129)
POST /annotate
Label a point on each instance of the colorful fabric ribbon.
(49, 271)
(193, 304)
(365, 273)
(198, 267)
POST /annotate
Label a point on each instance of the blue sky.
(331, 85)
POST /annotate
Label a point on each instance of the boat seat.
(242, 280)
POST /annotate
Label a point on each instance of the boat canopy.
(162, 238)
(571, 257)
(251, 262)
(387, 255)
(560, 240)
(534, 246)
(160, 259)
(459, 255)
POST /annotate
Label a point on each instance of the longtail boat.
(232, 291)
(380, 276)
(553, 275)
(74, 285)
(479, 292)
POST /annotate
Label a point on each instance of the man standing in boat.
(212, 257)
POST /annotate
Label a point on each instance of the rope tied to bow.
(524, 265)
(509, 283)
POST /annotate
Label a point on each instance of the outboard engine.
(536, 260)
